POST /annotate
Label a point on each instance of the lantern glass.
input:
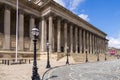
(35, 32)
(47, 44)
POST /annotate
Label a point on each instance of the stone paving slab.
(108, 70)
(24, 71)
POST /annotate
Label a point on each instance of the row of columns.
(83, 38)
(86, 41)
(7, 23)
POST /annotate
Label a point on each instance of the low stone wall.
(12, 54)
(60, 55)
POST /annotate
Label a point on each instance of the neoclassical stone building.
(58, 26)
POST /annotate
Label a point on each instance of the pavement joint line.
(49, 71)
(80, 75)
(71, 68)
(71, 74)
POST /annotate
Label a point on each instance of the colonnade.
(60, 33)
(7, 39)
(69, 35)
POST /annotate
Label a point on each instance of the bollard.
(8, 62)
(5, 61)
(2, 61)
(29, 61)
(20, 61)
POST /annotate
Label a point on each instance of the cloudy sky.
(104, 14)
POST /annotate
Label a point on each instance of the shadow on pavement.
(51, 77)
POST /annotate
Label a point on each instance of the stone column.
(99, 44)
(95, 47)
(90, 43)
(21, 31)
(96, 43)
(84, 41)
(50, 36)
(32, 25)
(76, 39)
(53, 37)
(6, 44)
(65, 37)
(59, 35)
(93, 43)
(45, 39)
(71, 39)
(102, 46)
(87, 41)
(43, 35)
(80, 40)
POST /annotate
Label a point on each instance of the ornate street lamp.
(48, 61)
(86, 56)
(67, 61)
(35, 75)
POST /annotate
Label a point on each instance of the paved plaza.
(108, 70)
(24, 71)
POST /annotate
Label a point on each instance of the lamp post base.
(97, 59)
(86, 60)
(86, 57)
(48, 66)
(35, 75)
(67, 62)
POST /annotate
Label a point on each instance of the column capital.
(71, 23)
(65, 21)
(21, 11)
(32, 16)
(7, 7)
(59, 18)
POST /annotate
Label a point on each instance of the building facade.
(58, 26)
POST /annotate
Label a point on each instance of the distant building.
(113, 50)
(57, 25)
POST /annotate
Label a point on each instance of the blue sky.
(104, 14)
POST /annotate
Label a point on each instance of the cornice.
(76, 17)
(12, 4)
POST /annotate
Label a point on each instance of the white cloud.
(114, 42)
(61, 2)
(75, 3)
(84, 16)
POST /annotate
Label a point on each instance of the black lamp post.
(35, 75)
(67, 61)
(48, 59)
(97, 56)
(86, 56)
(105, 57)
